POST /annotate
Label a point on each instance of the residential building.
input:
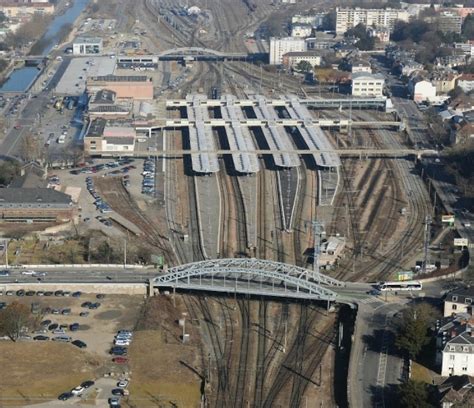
(281, 46)
(361, 66)
(87, 46)
(451, 61)
(292, 59)
(19, 10)
(136, 87)
(105, 136)
(466, 48)
(29, 205)
(459, 301)
(466, 82)
(444, 81)
(455, 346)
(456, 391)
(449, 21)
(348, 18)
(365, 84)
(421, 89)
(381, 33)
(301, 30)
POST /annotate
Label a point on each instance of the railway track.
(261, 353)
(197, 249)
(241, 372)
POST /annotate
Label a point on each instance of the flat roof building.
(87, 46)
(365, 84)
(109, 136)
(137, 87)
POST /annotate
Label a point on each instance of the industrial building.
(109, 136)
(87, 46)
(136, 87)
(29, 205)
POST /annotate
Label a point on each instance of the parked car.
(41, 338)
(87, 384)
(122, 384)
(77, 391)
(65, 396)
(74, 326)
(120, 360)
(118, 391)
(79, 343)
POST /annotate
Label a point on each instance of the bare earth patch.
(37, 372)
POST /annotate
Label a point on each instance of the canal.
(21, 79)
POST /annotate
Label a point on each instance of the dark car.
(66, 312)
(84, 314)
(118, 351)
(94, 305)
(100, 296)
(87, 384)
(65, 396)
(58, 293)
(48, 293)
(76, 294)
(41, 338)
(74, 327)
(79, 343)
(20, 292)
(53, 326)
(46, 322)
(30, 293)
(118, 391)
(86, 304)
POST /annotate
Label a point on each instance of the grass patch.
(420, 373)
(33, 372)
(158, 377)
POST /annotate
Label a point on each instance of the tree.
(468, 27)
(3, 17)
(304, 66)
(414, 394)
(14, 319)
(366, 42)
(412, 333)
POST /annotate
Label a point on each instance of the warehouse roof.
(88, 40)
(32, 196)
(121, 78)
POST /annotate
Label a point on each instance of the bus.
(401, 285)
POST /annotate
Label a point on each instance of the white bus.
(401, 285)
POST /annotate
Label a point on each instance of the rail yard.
(236, 160)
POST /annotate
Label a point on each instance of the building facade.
(466, 82)
(292, 59)
(348, 18)
(459, 301)
(364, 84)
(31, 205)
(301, 30)
(449, 21)
(87, 46)
(105, 136)
(282, 46)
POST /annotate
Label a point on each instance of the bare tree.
(14, 319)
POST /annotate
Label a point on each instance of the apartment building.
(449, 21)
(292, 59)
(348, 18)
(282, 46)
(365, 84)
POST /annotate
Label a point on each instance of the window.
(455, 298)
(452, 357)
(454, 307)
(464, 368)
(468, 301)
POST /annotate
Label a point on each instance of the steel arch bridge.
(250, 276)
(200, 51)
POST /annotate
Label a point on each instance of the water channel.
(22, 78)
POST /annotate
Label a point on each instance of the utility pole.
(427, 242)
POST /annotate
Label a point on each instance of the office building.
(365, 84)
(282, 46)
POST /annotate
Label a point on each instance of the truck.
(61, 139)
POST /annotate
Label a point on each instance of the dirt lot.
(34, 371)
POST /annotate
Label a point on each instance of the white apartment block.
(301, 30)
(365, 84)
(281, 46)
(350, 17)
(292, 59)
(456, 344)
(315, 20)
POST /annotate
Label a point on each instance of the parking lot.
(72, 325)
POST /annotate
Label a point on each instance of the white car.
(122, 384)
(122, 342)
(40, 273)
(77, 391)
(28, 272)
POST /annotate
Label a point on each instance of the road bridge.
(250, 276)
